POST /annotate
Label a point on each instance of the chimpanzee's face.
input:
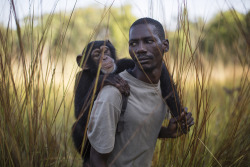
(103, 55)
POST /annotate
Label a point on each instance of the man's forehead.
(142, 31)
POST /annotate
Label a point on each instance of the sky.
(166, 11)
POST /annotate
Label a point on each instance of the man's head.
(98, 52)
(147, 43)
(158, 26)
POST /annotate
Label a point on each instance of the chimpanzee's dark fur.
(85, 81)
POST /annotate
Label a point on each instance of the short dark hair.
(158, 26)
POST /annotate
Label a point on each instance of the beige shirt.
(144, 115)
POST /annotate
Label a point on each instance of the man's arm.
(177, 126)
(102, 125)
(97, 159)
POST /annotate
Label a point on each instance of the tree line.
(227, 34)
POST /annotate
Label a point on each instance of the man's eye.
(150, 41)
(132, 44)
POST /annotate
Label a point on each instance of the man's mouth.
(144, 59)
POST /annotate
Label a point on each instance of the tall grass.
(35, 110)
(220, 136)
(36, 86)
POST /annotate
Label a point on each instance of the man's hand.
(178, 126)
(118, 82)
(181, 124)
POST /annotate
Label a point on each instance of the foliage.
(226, 30)
(92, 23)
(225, 37)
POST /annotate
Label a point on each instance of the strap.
(120, 125)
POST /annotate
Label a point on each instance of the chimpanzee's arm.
(169, 92)
(124, 64)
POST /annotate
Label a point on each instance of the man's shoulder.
(110, 94)
(109, 89)
(125, 75)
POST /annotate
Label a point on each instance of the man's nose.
(141, 48)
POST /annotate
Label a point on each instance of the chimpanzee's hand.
(118, 82)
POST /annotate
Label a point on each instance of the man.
(146, 110)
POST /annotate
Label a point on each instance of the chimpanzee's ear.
(109, 42)
(79, 60)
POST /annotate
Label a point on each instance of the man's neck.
(151, 77)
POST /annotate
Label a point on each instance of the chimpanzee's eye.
(95, 54)
(106, 51)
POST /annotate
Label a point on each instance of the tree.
(71, 34)
(223, 35)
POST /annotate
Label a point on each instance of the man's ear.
(165, 45)
(79, 60)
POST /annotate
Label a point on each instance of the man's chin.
(146, 67)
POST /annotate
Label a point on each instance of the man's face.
(103, 55)
(145, 47)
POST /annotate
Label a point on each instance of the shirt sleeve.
(103, 121)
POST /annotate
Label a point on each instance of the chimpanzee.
(103, 53)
